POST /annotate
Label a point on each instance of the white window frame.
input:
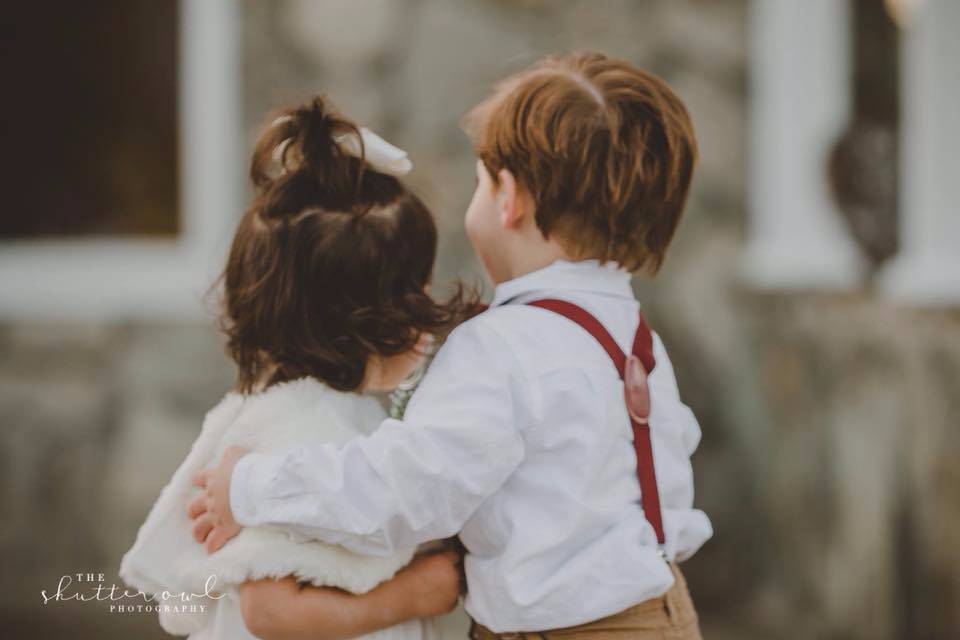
(107, 278)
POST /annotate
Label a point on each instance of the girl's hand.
(432, 582)
(213, 523)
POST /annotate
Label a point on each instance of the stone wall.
(95, 419)
(830, 422)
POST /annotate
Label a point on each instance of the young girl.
(325, 298)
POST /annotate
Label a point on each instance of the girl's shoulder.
(298, 412)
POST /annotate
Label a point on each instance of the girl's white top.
(299, 414)
(518, 438)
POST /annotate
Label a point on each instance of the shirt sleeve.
(663, 384)
(409, 481)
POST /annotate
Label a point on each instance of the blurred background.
(810, 304)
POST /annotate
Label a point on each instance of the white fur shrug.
(166, 558)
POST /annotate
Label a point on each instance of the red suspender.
(635, 391)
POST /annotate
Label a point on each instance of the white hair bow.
(379, 154)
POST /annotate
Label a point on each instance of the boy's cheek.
(470, 226)
(471, 220)
(481, 235)
(481, 217)
(478, 239)
(485, 232)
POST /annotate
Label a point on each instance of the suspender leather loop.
(643, 350)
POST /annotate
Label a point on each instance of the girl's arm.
(286, 610)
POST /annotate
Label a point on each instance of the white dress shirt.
(518, 439)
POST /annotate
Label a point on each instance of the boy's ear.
(513, 202)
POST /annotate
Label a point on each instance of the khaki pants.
(669, 617)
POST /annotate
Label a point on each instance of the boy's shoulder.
(507, 321)
(516, 336)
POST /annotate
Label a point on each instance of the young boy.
(519, 437)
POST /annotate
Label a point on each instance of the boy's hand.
(213, 523)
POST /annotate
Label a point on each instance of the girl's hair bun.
(298, 157)
(330, 263)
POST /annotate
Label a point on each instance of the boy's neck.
(534, 258)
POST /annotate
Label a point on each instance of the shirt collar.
(564, 275)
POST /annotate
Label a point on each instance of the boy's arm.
(285, 609)
(409, 481)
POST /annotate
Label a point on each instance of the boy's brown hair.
(605, 149)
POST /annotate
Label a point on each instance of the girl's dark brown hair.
(329, 264)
